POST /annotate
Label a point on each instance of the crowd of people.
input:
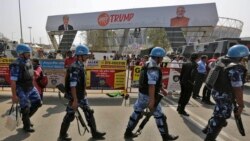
(194, 71)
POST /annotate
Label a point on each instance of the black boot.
(133, 121)
(178, 108)
(213, 136)
(95, 133)
(65, 138)
(89, 114)
(205, 130)
(63, 132)
(27, 127)
(210, 137)
(165, 135)
(26, 120)
(32, 112)
(169, 137)
(98, 135)
(129, 134)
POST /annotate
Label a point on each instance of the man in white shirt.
(59, 55)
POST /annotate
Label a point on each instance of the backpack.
(213, 76)
(211, 65)
(42, 80)
(220, 67)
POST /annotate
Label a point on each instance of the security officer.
(187, 77)
(232, 77)
(22, 88)
(75, 84)
(149, 86)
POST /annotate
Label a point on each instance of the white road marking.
(200, 122)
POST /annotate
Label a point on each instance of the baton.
(238, 121)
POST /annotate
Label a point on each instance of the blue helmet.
(238, 51)
(82, 50)
(158, 52)
(23, 48)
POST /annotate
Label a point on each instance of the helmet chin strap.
(158, 60)
(23, 56)
(80, 60)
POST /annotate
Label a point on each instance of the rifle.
(79, 118)
(238, 120)
(78, 115)
(148, 115)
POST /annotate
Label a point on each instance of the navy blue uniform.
(150, 75)
(21, 71)
(27, 98)
(224, 107)
(143, 101)
(76, 78)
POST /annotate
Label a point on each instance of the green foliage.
(157, 37)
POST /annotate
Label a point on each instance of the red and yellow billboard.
(5, 71)
(106, 75)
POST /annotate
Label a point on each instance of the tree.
(101, 40)
(158, 37)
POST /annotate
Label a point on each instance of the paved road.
(112, 116)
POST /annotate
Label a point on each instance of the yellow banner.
(6, 60)
(108, 64)
(136, 73)
(120, 80)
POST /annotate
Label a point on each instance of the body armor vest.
(81, 82)
(143, 80)
(26, 72)
(219, 74)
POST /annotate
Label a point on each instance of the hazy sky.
(35, 12)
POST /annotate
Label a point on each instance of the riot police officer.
(149, 87)
(22, 88)
(233, 77)
(75, 85)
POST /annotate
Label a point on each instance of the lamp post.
(20, 17)
(30, 34)
(147, 38)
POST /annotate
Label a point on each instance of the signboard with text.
(5, 71)
(51, 64)
(170, 78)
(167, 16)
(54, 69)
(107, 75)
(174, 80)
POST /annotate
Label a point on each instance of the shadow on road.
(193, 127)
(247, 104)
(93, 101)
(4, 98)
(105, 101)
(20, 136)
(53, 100)
(91, 139)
